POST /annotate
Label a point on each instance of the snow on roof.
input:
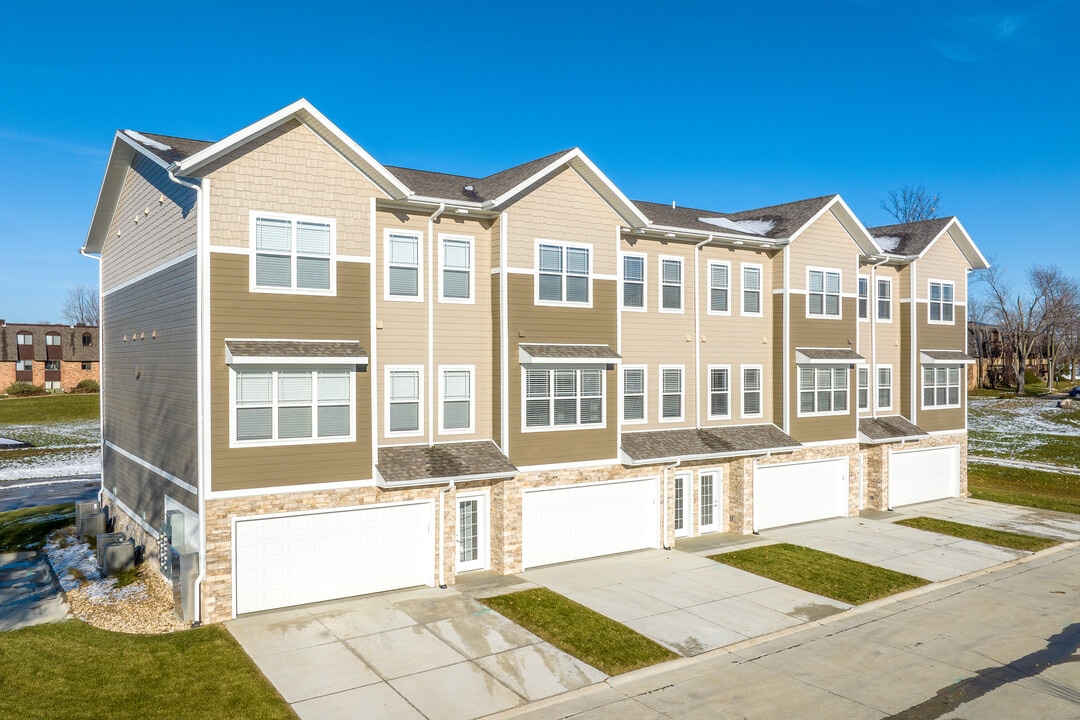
(753, 227)
(888, 242)
(139, 137)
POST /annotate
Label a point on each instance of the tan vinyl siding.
(496, 367)
(902, 377)
(149, 384)
(155, 222)
(887, 349)
(141, 489)
(933, 420)
(825, 244)
(943, 261)
(236, 312)
(816, 333)
(289, 170)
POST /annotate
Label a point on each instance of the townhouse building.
(347, 377)
(56, 357)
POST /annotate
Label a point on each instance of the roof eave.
(627, 460)
(866, 440)
(382, 482)
(695, 235)
(112, 184)
(967, 247)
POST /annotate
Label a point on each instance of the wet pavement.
(29, 591)
(35, 492)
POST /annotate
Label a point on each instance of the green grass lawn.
(49, 408)
(74, 671)
(1019, 486)
(1001, 538)
(820, 572)
(1053, 449)
(575, 629)
(29, 528)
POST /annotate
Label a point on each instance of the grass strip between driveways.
(575, 629)
(75, 671)
(29, 528)
(820, 572)
(1001, 538)
(1021, 486)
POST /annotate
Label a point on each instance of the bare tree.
(1023, 315)
(81, 307)
(911, 204)
(1062, 299)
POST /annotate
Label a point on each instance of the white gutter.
(504, 341)
(785, 341)
(915, 374)
(697, 331)
(101, 368)
(871, 387)
(431, 389)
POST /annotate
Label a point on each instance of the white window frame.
(879, 386)
(687, 481)
(661, 394)
(878, 299)
(743, 267)
(760, 391)
(419, 237)
(644, 370)
(470, 241)
(959, 385)
(832, 390)
(714, 263)
(661, 284)
(234, 370)
(862, 387)
(21, 336)
(294, 219)
(644, 282)
(825, 272)
(941, 303)
(471, 370)
(564, 245)
(862, 298)
(29, 366)
(483, 535)
(727, 369)
(52, 338)
(388, 371)
(717, 482)
(551, 426)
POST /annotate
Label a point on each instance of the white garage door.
(297, 559)
(800, 492)
(581, 521)
(921, 475)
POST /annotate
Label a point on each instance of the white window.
(884, 387)
(823, 390)
(884, 300)
(563, 274)
(941, 302)
(456, 254)
(719, 288)
(863, 388)
(633, 282)
(564, 399)
(671, 280)
(24, 338)
(941, 386)
(751, 290)
(292, 405)
(472, 532)
(671, 393)
(751, 391)
(822, 293)
(719, 392)
(633, 394)
(864, 297)
(52, 339)
(292, 253)
(404, 280)
(456, 399)
(404, 404)
(24, 366)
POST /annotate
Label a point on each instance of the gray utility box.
(92, 525)
(119, 556)
(184, 568)
(82, 509)
(104, 539)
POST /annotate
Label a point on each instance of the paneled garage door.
(800, 492)
(589, 520)
(297, 559)
(921, 475)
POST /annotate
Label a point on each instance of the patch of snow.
(139, 137)
(1014, 427)
(888, 243)
(753, 227)
(81, 558)
(76, 461)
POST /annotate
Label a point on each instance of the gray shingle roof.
(957, 356)
(179, 148)
(296, 348)
(452, 187)
(839, 354)
(657, 445)
(785, 219)
(884, 429)
(570, 352)
(909, 238)
(420, 463)
(71, 347)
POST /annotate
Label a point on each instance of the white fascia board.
(967, 247)
(859, 234)
(526, 359)
(627, 460)
(925, 359)
(123, 150)
(385, 484)
(699, 235)
(801, 359)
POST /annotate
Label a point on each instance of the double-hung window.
(456, 391)
(863, 388)
(633, 282)
(864, 297)
(404, 280)
(823, 390)
(633, 394)
(671, 284)
(751, 290)
(719, 288)
(751, 391)
(941, 386)
(292, 253)
(823, 293)
(292, 405)
(563, 274)
(404, 393)
(884, 387)
(457, 268)
(671, 393)
(884, 300)
(719, 392)
(564, 398)
(941, 302)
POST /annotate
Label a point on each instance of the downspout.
(664, 475)
(101, 368)
(785, 369)
(697, 332)
(915, 374)
(442, 543)
(504, 340)
(872, 312)
(201, 269)
(431, 392)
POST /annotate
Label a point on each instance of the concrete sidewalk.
(29, 591)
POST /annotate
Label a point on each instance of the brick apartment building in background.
(57, 357)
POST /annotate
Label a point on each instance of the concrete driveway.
(424, 653)
(29, 591)
(1012, 518)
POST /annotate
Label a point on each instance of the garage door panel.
(790, 493)
(923, 475)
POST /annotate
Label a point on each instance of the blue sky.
(714, 104)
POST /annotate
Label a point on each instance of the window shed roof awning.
(552, 354)
(945, 357)
(827, 356)
(308, 352)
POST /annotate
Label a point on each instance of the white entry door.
(709, 501)
(798, 492)
(472, 535)
(922, 475)
(683, 503)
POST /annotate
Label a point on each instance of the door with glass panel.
(472, 541)
(709, 507)
(683, 503)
